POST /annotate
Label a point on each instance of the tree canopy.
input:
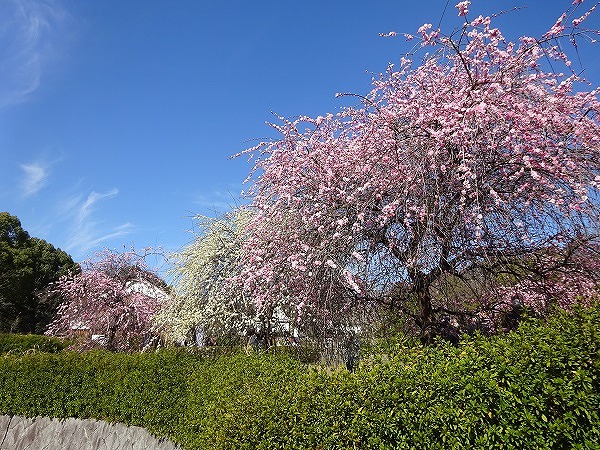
(465, 170)
(27, 266)
(115, 296)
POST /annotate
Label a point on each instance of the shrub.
(306, 352)
(537, 387)
(19, 343)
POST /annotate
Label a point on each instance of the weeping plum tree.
(115, 295)
(202, 273)
(459, 185)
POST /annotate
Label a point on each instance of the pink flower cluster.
(463, 8)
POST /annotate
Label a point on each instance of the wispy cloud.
(34, 179)
(87, 232)
(35, 174)
(87, 207)
(32, 33)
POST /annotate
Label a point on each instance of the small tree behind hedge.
(115, 296)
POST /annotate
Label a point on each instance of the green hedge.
(537, 387)
(20, 343)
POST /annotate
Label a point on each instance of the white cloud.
(32, 34)
(87, 232)
(36, 173)
(35, 177)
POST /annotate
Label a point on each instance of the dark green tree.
(27, 266)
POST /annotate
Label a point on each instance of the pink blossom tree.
(115, 295)
(448, 182)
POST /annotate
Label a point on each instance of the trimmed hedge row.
(20, 343)
(537, 387)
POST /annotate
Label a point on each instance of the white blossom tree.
(205, 298)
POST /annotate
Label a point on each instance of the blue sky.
(118, 118)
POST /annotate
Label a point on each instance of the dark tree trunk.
(111, 344)
(426, 317)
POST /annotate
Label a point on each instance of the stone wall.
(42, 433)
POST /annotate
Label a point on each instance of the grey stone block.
(42, 433)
